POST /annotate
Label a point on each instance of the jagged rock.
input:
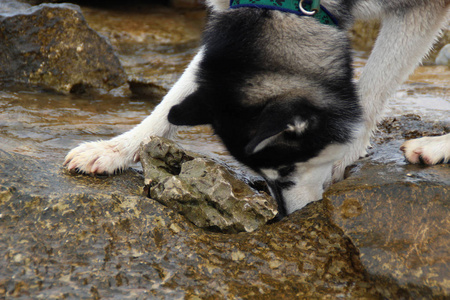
(81, 237)
(205, 192)
(51, 46)
(397, 215)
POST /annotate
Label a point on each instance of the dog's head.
(284, 106)
(291, 142)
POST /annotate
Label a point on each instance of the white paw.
(101, 157)
(429, 150)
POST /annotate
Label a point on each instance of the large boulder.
(50, 46)
(397, 214)
(73, 236)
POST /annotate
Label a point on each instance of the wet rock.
(397, 214)
(443, 58)
(37, 2)
(364, 33)
(154, 43)
(187, 3)
(12, 6)
(444, 39)
(73, 236)
(205, 192)
(52, 47)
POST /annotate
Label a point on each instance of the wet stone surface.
(154, 43)
(74, 236)
(51, 47)
(204, 191)
(397, 214)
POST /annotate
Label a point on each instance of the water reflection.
(47, 125)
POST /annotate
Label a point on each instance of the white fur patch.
(310, 178)
(298, 127)
(432, 150)
(119, 152)
(270, 173)
(265, 142)
(308, 185)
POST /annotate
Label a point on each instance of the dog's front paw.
(101, 157)
(428, 150)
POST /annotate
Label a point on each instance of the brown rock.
(51, 46)
(397, 216)
(72, 236)
(154, 42)
(364, 34)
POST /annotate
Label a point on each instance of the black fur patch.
(233, 41)
(231, 56)
(286, 171)
(277, 188)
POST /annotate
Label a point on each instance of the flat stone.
(397, 215)
(81, 237)
(204, 191)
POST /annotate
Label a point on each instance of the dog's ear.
(279, 124)
(262, 139)
(190, 112)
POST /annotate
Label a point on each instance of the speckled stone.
(80, 237)
(204, 191)
(397, 215)
(50, 46)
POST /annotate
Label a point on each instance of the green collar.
(292, 6)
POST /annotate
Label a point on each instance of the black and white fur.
(278, 89)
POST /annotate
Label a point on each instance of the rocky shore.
(188, 227)
(381, 233)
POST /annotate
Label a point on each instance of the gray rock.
(51, 46)
(205, 192)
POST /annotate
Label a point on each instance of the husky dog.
(277, 88)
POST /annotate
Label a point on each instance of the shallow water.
(47, 125)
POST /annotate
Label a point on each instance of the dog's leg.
(405, 37)
(118, 153)
(429, 150)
